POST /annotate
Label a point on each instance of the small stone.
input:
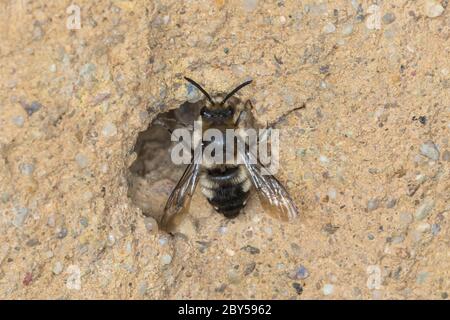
(446, 156)
(301, 152)
(347, 29)
(370, 236)
(390, 203)
(87, 70)
(33, 242)
(373, 21)
(423, 227)
(163, 240)
(249, 268)
(302, 273)
(142, 288)
(38, 32)
(5, 197)
(405, 218)
(21, 215)
(250, 249)
(151, 225)
(298, 288)
(249, 5)
(422, 277)
(424, 209)
(52, 68)
(193, 94)
(398, 239)
(233, 276)
(332, 193)
(82, 160)
(324, 69)
(429, 150)
(49, 254)
(323, 159)
(329, 28)
(328, 289)
(435, 229)
(18, 121)
(166, 259)
(222, 230)
(388, 18)
(433, 8)
(26, 169)
(84, 222)
(111, 239)
(330, 228)
(58, 268)
(31, 108)
(373, 204)
(62, 233)
(109, 130)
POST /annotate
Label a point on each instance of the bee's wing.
(180, 198)
(271, 192)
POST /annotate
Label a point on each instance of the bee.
(227, 186)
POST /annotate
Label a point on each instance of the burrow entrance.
(152, 176)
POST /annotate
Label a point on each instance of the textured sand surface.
(360, 92)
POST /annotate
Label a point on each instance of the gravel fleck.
(233, 276)
(330, 228)
(298, 288)
(398, 239)
(249, 268)
(446, 156)
(423, 227)
(31, 108)
(52, 68)
(373, 204)
(249, 5)
(33, 242)
(62, 233)
(21, 215)
(390, 203)
(424, 209)
(82, 160)
(302, 273)
(329, 28)
(18, 121)
(433, 8)
(166, 259)
(250, 249)
(87, 70)
(422, 277)
(84, 222)
(435, 229)
(151, 225)
(347, 29)
(388, 18)
(328, 289)
(58, 268)
(109, 130)
(26, 169)
(429, 150)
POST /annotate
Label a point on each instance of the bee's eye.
(230, 111)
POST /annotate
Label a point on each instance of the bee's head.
(218, 112)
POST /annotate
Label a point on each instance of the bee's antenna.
(199, 87)
(239, 87)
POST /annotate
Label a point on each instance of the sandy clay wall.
(359, 90)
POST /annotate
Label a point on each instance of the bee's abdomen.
(226, 188)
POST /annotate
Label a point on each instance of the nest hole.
(153, 175)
